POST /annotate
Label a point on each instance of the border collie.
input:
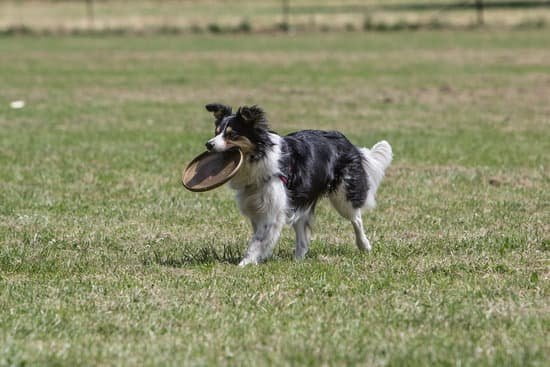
(282, 177)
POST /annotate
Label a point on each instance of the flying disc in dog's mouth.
(211, 169)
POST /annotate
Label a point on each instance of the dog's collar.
(283, 178)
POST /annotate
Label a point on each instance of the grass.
(106, 260)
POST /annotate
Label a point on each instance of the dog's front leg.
(266, 234)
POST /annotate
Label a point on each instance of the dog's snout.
(209, 145)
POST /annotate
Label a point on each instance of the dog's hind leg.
(345, 208)
(361, 240)
(302, 227)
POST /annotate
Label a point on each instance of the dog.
(283, 177)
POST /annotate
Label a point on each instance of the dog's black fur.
(317, 162)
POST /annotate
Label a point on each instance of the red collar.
(284, 179)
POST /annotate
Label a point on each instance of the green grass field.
(106, 260)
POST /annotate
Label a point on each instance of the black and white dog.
(283, 177)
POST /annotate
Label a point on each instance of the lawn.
(106, 260)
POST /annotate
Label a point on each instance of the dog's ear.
(219, 110)
(253, 115)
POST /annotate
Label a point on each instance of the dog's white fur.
(262, 197)
(377, 159)
(218, 143)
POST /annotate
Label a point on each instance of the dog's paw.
(368, 246)
(363, 244)
(247, 261)
(300, 255)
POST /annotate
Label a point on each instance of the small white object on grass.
(17, 104)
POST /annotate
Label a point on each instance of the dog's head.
(246, 129)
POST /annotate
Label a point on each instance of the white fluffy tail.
(377, 159)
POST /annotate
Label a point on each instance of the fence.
(269, 15)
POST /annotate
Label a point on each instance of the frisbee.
(211, 169)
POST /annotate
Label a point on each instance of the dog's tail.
(377, 159)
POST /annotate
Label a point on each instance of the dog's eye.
(230, 135)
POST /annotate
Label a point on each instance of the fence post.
(286, 15)
(479, 7)
(90, 12)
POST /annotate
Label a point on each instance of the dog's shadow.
(189, 255)
(192, 255)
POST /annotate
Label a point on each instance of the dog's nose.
(209, 145)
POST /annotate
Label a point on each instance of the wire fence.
(218, 16)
